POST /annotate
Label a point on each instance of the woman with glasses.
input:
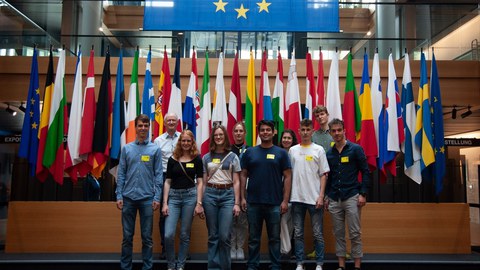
(221, 198)
(182, 197)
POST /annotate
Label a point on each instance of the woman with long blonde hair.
(182, 197)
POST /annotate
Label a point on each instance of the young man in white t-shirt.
(309, 166)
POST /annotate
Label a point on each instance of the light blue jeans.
(299, 211)
(256, 214)
(129, 215)
(181, 205)
(218, 205)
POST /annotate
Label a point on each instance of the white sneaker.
(319, 267)
(233, 253)
(299, 267)
(240, 254)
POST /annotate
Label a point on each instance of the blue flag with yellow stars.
(242, 15)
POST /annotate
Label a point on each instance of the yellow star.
(37, 91)
(435, 99)
(32, 101)
(242, 12)
(263, 6)
(31, 113)
(220, 5)
(34, 125)
(442, 149)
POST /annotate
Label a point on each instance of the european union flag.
(31, 121)
(242, 15)
(437, 120)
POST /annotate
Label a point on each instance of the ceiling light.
(10, 111)
(454, 113)
(467, 113)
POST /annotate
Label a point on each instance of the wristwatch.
(199, 203)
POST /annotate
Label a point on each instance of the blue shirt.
(265, 168)
(167, 144)
(140, 172)
(342, 182)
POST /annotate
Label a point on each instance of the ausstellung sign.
(462, 142)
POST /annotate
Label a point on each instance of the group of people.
(239, 188)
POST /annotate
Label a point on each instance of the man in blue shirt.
(139, 186)
(346, 195)
(268, 169)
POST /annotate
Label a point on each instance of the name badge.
(344, 160)
(332, 144)
(216, 160)
(190, 165)
(145, 158)
(270, 156)
(309, 158)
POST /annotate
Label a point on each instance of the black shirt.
(193, 168)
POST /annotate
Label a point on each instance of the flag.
(438, 135)
(278, 101)
(219, 113)
(409, 148)
(320, 87)
(333, 102)
(148, 98)
(163, 100)
(383, 154)
(377, 98)
(292, 99)
(264, 104)
(351, 110)
(235, 113)
(88, 120)
(41, 171)
(367, 136)
(103, 122)
(423, 127)
(53, 157)
(119, 123)
(133, 108)
(191, 108)
(75, 128)
(204, 126)
(250, 104)
(31, 121)
(310, 93)
(175, 103)
(395, 135)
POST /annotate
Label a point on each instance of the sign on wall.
(242, 15)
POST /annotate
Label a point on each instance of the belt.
(220, 186)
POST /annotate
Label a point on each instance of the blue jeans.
(299, 211)
(129, 214)
(218, 206)
(256, 214)
(181, 205)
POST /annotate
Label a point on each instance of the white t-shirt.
(309, 163)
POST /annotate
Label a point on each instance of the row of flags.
(98, 130)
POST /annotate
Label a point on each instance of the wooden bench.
(95, 227)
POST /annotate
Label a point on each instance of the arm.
(199, 206)
(236, 192)
(363, 167)
(321, 196)
(243, 189)
(166, 190)
(158, 180)
(287, 187)
(121, 172)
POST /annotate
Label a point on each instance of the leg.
(298, 215)
(316, 217)
(211, 208)
(338, 221)
(188, 207)
(255, 222)
(272, 219)
(285, 236)
(174, 207)
(146, 225)
(353, 213)
(225, 219)
(129, 214)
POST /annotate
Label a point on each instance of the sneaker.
(240, 254)
(340, 268)
(299, 267)
(233, 253)
(312, 255)
(319, 267)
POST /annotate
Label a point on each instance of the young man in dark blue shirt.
(346, 195)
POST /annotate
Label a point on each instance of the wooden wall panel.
(69, 227)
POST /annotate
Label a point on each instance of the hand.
(320, 202)
(155, 205)
(236, 210)
(120, 204)
(325, 204)
(244, 205)
(199, 211)
(362, 201)
(283, 207)
(165, 209)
